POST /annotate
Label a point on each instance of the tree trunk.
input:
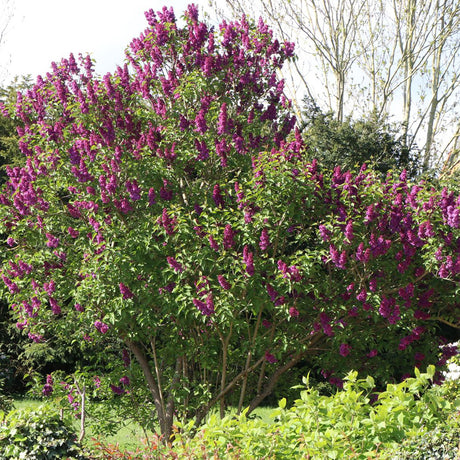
(164, 420)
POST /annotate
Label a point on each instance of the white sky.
(43, 31)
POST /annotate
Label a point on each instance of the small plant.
(38, 435)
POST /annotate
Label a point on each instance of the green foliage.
(351, 143)
(345, 425)
(38, 435)
(442, 442)
(6, 403)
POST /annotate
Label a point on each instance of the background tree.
(391, 59)
(6, 14)
(351, 143)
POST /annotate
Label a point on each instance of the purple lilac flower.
(293, 312)
(101, 327)
(222, 150)
(202, 148)
(229, 234)
(294, 274)
(326, 324)
(198, 209)
(270, 358)
(174, 264)
(11, 285)
(53, 242)
(212, 242)
(199, 231)
(133, 189)
(167, 222)
(123, 205)
(125, 381)
(166, 193)
(55, 308)
(407, 292)
(362, 295)
(223, 282)
(125, 291)
(264, 242)
(249, 261)
(118, 390)
(47, 389)
(271, 292)
(50, 287)
(200, 122)
(345, 349)
(126, 358)
(79, 307)
(72, 232)
(217, 196)
(239, 193)
(349, 232)
(222, 126)
(206, 308)
(152, 196)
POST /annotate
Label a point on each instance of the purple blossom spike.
(53, 242)
(270, 358)
(249, 261)
(345, 349)
(217, 196)
(229, 235)
(222, 127)
(175, 265)
(55, 308)
(200, 122)
(133, 190)
(118, 390)
(101, 327)
(348, 232)
(125, 291)
(126, 358)
(152, 196)
(223, 282)
(213, 243)
(72, 232)
(264, 242)
(166, 193)
(324, 233)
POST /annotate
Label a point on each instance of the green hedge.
(412, 416)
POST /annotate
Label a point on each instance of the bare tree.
(6, 14)
(394, 59)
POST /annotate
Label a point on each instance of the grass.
(130, 435)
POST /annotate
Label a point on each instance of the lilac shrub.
(169, 205)
(125, 198)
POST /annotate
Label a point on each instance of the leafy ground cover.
(410, 420)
